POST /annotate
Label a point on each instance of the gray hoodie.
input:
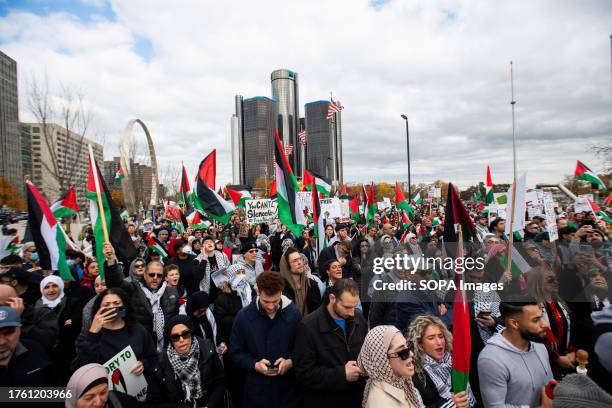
(510, 377)
(604, 342)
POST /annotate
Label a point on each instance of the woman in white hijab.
(68, 317)
(88, 387)
(387, 360)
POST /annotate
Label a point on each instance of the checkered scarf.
(154, 299)
(186, 368)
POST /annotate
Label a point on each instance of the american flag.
(302, 137)
(333, 108)
(289, 149)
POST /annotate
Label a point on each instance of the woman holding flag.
(432, 343)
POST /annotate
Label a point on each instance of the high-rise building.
(258, 140)
(60, 158)
(10, 139)
(285, 93)
(141, 177)
(324, 141)
(237, 143)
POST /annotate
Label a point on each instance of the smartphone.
(272, 368)
(587, 248)
(120, 311)
(105, 309)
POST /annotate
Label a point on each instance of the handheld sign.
(120, 378)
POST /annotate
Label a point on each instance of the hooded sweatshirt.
(510, 377)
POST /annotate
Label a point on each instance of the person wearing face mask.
(204, 321)
(387, 360)
(30, 256)
(112, 328)
(154, 302)
(99, 287)
(301, 289)
(189, 373)
(432, 342)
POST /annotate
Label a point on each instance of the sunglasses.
(186, 335)
(139, 266)
(404, 354)
(155, 275)
(252, 251)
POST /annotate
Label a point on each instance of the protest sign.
(330, 207)
(438, 192)
(121, 379)
(431, 192)
(261, 210)
(345, 211)
(305, 198)
(551, 217)
(582, 204)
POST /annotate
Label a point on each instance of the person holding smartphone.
(112, 329)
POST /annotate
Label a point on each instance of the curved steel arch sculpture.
(127, 185)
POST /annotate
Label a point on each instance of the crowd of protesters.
(253, 316)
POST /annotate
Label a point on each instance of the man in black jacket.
(153, 300)
(328, 342)
(340, 251)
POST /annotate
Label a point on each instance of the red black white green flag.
(290, 209)
(371, 207)
(239, 194)
(319, 222)
(66, 206)
(120, 174)
(582, 172)
(323, 184)
(205, 198)
(154, 245)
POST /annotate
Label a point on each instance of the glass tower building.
(324, 141)
(285, 93)
(257, 119)
(10, 133)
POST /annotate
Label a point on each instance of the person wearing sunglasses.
(386, 358)
(543, 286)
(189, 372)
(154, 301)
(432, 343)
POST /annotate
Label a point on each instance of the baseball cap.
(9, 317)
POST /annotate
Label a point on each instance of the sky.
(445, 64)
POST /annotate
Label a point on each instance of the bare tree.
(67, 110)
(603, 152)
(170, 177)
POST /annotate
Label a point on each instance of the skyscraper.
(257, 140)
(237, 143)
(324, 141)
(10, 138)
(285, 93)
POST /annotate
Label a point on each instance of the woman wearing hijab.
(67, 315)
(203, 320)
(387, 360)
(111, 330)
(137, 269)
(302, 290)
(88, 387)
(190, 373)
(90, 274)
(432, 342)
(99, 287)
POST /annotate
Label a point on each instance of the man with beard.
(513, 368)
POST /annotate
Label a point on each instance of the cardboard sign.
(330, 207)
(551, 217)
(345, 210)
(120, 378)
(261, 210)
(582, 204)
(431, 192)
(305, 198)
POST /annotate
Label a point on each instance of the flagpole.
(512, 215)
(94, 171)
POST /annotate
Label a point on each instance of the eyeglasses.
(403, 354)
(186, 335)
(252, 251)
(155, 275)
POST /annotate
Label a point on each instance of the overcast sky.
(177, 66)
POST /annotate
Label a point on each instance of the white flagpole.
(512, 215)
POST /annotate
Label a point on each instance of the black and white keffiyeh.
(154, 299)
(440, 373)
(221, 262)
(186, 368)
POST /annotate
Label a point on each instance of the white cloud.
(445, 64)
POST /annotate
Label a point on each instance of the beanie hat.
(578, 390)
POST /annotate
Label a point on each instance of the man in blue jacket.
(262, 343)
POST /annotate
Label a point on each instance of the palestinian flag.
(462, 342)
(195, 221)
(401, 203)
(184, 190)
(66, 206)
(354, 208)
(344, 193)
(8, 245)
(583, 173)
(604, 216)
(456, 214)
(323, 184)
(489, 198)
(608, 202)
(239, 194)
(206, 199)
(172, 209)
(155, 246)
(47, 234)
(272, 193)
(371, 207)
(417, 197)
(115, 228)
(120, 174)
(290, 209)
(519, 264)
(319, 224)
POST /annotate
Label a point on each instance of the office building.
(285, 92)
(142, 179)
(324, 141)
(10, 138)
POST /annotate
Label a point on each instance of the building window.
(35, 129)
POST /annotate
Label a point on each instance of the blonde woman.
(387, 360)
(432, 344)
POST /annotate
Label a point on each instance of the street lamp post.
(408, 154)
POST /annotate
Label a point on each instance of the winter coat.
(29, 366)
(385, 395)
(313, 295)
(322, 349)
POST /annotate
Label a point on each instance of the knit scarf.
(440, 373)
(154, 299)
(186, 368)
